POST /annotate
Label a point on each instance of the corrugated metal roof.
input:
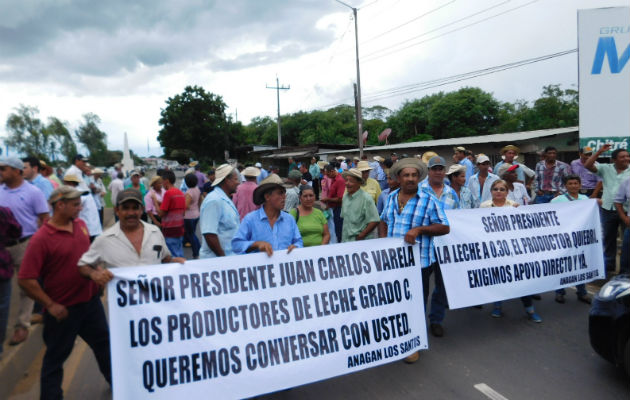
(493, 138)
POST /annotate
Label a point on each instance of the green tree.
(556, 108)
(94, 140)
(412, 119)
(60, 140)
(26, 131)
(194, 122)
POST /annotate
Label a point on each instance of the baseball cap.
(129, 194)
(586, 150)
(65, 192)
(482, 158)
(12, 162)
(258, 165)
(455, 168)
(435, 161)
(295, 174)
(79, 157)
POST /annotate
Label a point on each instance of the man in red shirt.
(335, 194)
(172, 213)
(72, 303)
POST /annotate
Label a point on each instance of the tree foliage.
(94, 140)
(194, 121)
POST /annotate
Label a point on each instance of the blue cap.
(435, 161)
(12, 162)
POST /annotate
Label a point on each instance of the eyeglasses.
(499, 189)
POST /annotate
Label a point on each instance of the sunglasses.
(499, 190)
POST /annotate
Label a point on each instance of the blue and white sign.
(604, 76)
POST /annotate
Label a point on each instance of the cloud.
(74, 39)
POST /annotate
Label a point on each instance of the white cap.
(258, 165)
(482, 158)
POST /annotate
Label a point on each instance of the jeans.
(5, 304)
(175, 246)
(624, 262)
(581, 290)
(190, 235)
(338, 222)
(439, 303)
(545, 198)
(610, 225)
(89, 322)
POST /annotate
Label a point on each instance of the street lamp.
(358, 96)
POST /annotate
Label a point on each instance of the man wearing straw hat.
(219, 219)
(415, 215)
(243, 198)
(360, 217)
(369, 185)
(510, 153)
(268, 228)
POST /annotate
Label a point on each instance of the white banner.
(604, 76)
(494, 254)
(240, 326)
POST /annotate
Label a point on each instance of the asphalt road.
(478, 358)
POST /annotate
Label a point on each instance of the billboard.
(604, 76)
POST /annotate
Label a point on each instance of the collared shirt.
(357, 211)
(26, 203)
(482, 194)
(100, 193)
(623, 194)
(423, 209)
(550, 178)
(589, 179)
(293, 198)
(520, 173)
(567, 197)
(53, 255)
(466, 199)
(219, 216)
(150, 207)
(76, 171)
(263, 175)
(201, 179)
(43, 184)
(114, 249)
(470, 169)
(448, 198)
(116, 186)
(244, 198)
(519, 194)
(314, 170)
(611, 180)
(255, 227)
(372, 188)
(89, 214)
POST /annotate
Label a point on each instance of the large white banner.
(604, 76)
(239, 326)
(494, 254)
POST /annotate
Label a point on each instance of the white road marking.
(489, 392)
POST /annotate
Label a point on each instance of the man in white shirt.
(89, 212)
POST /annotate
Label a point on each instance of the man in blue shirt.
(219, 219)
(31, 174)
(268, 228)
(415, 215)
(460, 157)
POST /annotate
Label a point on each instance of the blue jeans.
(338, 222)
(190, 235)
(5, 303)
(175, 246)
(545, 198)
(610, 226)
(439, 303)
(624, 262)
(86, 320)
(581, 290)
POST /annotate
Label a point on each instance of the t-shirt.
(26, 203)
(174, 203)
(192, 212)
(311, 226)
(336, 189)
(563, 197)
(53, 256)
(611, 180)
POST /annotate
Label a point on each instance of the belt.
(13, 242)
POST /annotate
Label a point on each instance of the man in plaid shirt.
(549, 176)
(415, 215)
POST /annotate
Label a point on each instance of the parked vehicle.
(609, 322)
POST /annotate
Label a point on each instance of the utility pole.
(278, 88)
(358, 90)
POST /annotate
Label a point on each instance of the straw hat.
(98, 171)
(322, 163)
(363, 166)
(510, 147)
(71, 178)
(428, 155)
(221, 173)
(355, 173)
(378, 158)
(409, 163)
(271, 182)
(156, 178)
(193, 164)
(251, 171)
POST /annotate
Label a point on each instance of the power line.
(469, 75)
(408, 22)
(405, 89)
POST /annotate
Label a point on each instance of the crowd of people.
(51, 225)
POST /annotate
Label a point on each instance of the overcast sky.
(122, 59)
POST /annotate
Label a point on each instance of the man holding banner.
(414, 214)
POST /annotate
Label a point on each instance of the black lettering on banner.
(393, 258)
(390, 327)
(301, 308)
(334, 302)
(144, 290)
(489, 276)
(293, 273)
(145, 332)
(379, 294)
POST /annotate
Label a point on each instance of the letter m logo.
(607, 47)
